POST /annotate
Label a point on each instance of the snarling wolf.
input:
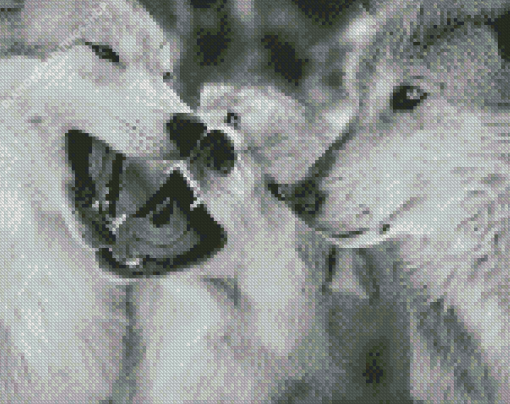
(289, 218)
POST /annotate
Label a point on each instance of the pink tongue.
(165, 233)
(143, 250)
(141, 215)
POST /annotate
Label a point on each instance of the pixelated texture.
(247, 201)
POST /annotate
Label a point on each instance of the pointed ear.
(276, 127)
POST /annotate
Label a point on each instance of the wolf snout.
(210, 149)
(144, 218)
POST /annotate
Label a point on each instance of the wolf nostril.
(219, 151)
(185, 130)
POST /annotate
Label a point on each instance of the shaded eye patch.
(104, 52)
(406, 98)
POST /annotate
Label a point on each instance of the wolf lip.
(361, 238)
(349, 234)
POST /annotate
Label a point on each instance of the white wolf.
(421, 181)
(260, 319)
(63, 322)
(423, 159)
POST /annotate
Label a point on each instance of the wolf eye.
(232, 119)
(407, 98)
(104, 52)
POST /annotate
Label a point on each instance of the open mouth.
(142, 220)
(170, 248)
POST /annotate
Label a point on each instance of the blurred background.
(296, 45)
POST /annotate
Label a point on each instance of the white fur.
(286, 328)
(124, 25)
(62, 319)
(276, 127)
(438, 176)
(194, 335)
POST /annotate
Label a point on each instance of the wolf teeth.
(96, 189)
(136, 235)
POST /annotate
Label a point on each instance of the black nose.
(217, 152)
(185, 130)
